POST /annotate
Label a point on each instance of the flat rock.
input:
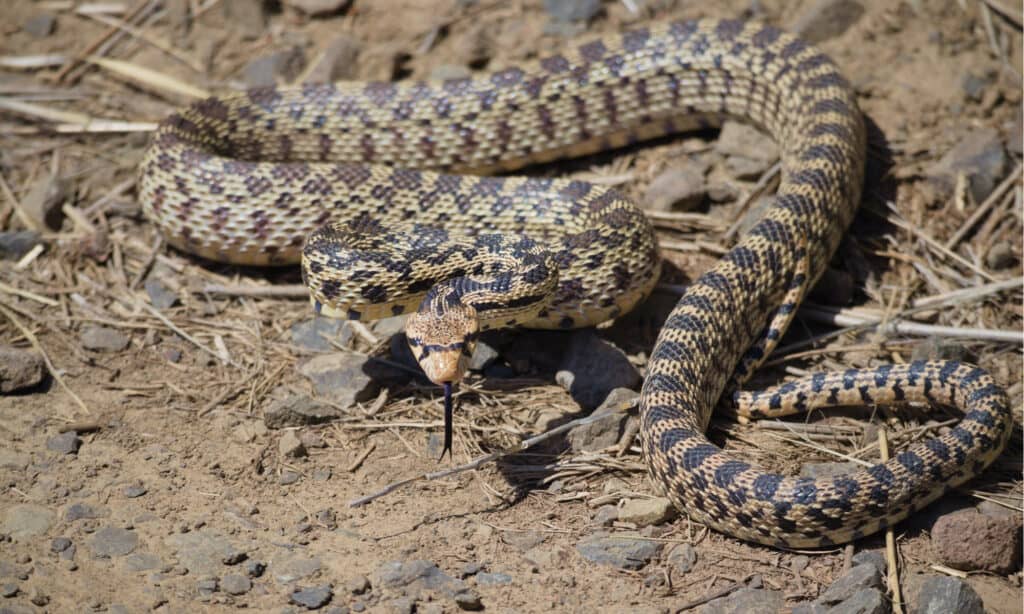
(606, 515)
(102, 339)
(864, 601)
(78, 511)
(64, 443)
(414, 575)
(344, 378)
(295, 568)
(972, 541)
(572, 10)
(682, 557)
(265, 71)
(646, 512)
(944, 594)
(592, 368)
(235, 584)
(143, 561)
(109, 542)
(40, 25)
(25, 521)
(861, 576)
(20, 369)
(606, 431)
(317, 333)
(16, 243)
(622, 550)
(201, 552)
(748, 151)
(746, 601)
(979, 156)
(492, 579)
(296, 410)
(678, 188)
(826, 19)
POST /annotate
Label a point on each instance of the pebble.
(683, 558)
(317, 333)
(24, 521)
(979, 156)
(109, 542)
(8, 590)
(357, 585)
(16, 243)
(826, 19)
(678, 188)
(608, 430)
(248, 16)
(942, 594)
(254, 568)
(317, 8)
(622, 550)
(749, 152)
(102, 339)
(572, 10)
(290, 445)
(468, 599)
(40, 25)
(647, 512)
(159, 294)
(745, 601)
(298, 410)
(20, 369)
(296, 568)
(592, 368)
(345, 379)
(288, 477)
(606, 515)
(200, 552)
(312, 598)
(973, 85)
(492, 579)
(971, 541)
(64, 443)
(235, 584)
(134, 491)
(861, 576)
(207, 586)
(59, 544)
(265, 71)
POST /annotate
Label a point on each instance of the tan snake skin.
(246, 178)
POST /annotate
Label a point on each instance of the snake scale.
(245, 178)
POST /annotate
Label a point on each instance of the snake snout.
(443, 341)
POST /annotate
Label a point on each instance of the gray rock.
(864, 601)
(971, 541)
(749, 152)
(385, 328)
(8, 590)
(288, 477)
(646, 512)
(871, 557)
(345, 379)
(207, 586)
(235, 584)
(20, 369)
(492, 579)
(255, 569)
(683, 558)
(826, 470)
(295, 568)
(572, 10)
(592, 368)
(265, 71)
(143, 561)
(608, 430)
(622, 550)
(318, 8)
(160, 295)
(468, 599)
(810, 608)
(746, 601)
(979, 156)
(357, 585)
(415, 575)
(109, 542)
(17, 243)
(25, 521)
(483, 355)
(296, 410)
(312, 598)
(134, 491)
(826, 19)
(102, 339)
(64, 443)
(943, 594)
(861, 576)
(59, 544)
(338, 62)
(606, 515)
(78, 511)
(678, 188)
(290, 445)
(200, 552)
(249, 17)
(973, 85)
(40, 25)
(317, 333)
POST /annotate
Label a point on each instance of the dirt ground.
(179, 490)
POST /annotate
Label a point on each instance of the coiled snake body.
(245, 178)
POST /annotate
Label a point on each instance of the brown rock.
(19, 369)
(971, 541)
(680, 188)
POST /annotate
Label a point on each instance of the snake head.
(442, 339)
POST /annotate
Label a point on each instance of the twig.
(142, 7)
(283, 291)
(964, 294)
(983, 209)
(893, 576)
(27, 295)
(46, 358)
(181, 333)
(848, 317)
(362, 457)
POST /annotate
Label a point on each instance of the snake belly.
(245, 178)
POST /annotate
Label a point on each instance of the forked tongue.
(447, 421)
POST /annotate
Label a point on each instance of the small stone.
(248, 16)
(606, 515)
(979, 156)
(942, 594)
(411, 575)
(291, 570)
(25, 521)
(78, 511)
(826, 470)
(255, 569)
(622, 550)
(492, 579)
(357, 585)
(8, 590)
(19, 369)
(266, 70)
(678, 188)
(471, 569)
(971, 541)
(290, 445)
(450, 72)
(64, 443)
(59, 544)
(312, 598)
(749, 152)
(288, 477)
(160, 295)
(345, 379)
(338, 62)
(973, 86)
(572, 10)
(133, 491)
(683, 558)
(207, 586)
(317, 333)
(113, 541)
(646, 512)
(1000, 256)
(15, 244)
(234, 557)
(39, 599)
(235, 584)
(318, 8)
(101, 339)
(468, 599)
(746, 601)
(608, 430)
(40, 25)
(826, 19)
(592, 368)
(872, 557)
(296, 410)
(322, 474)
(861, 576)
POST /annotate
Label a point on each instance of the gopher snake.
(326, 153)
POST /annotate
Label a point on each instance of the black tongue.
(447, 421)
